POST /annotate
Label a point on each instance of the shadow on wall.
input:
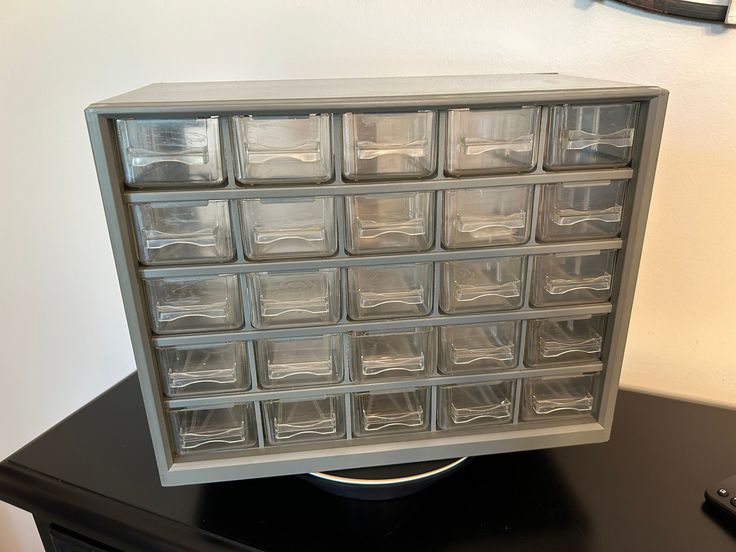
(709, 28)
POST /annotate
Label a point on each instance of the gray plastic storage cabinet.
(327, 274)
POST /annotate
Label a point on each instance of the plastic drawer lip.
(581, 277)
(490, 403)
(490, 284)
(214, 429)
(299, 362)
(299, 420)
(393, 411)
(385, 354)
(559, 396)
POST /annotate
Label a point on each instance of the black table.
(93, 478)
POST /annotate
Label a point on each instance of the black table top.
(643, 490)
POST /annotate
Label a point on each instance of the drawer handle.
(491, 225)
(140, 157)
(375, 364)
(469, 292)
(462, 356)
(229, 435)
(373, 299)
(549, 406)
(309, 152)
(279, 307)
(551, 348)
(372, 150)
(322, 426)
(265, 236)
(283, 370)
(170, 313)
(375, 422)
(155, 239)
(568, 217)
(464, 415)
(560, 286)
(221, 376)
(479, 146)
(375, 228)
(579, 139)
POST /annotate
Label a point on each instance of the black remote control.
(723, 495)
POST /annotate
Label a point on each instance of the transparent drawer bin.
(198, 369)
(164, 152)
(397, 354)
(382, 412)
(485, 217)
(591, 136)
(564, 341)
(389, 145)
(482, 285)
(391, 291)
(477, 404)
(490, 141)
(183, 232)
(298, 420)
(289, 228)
(558, 397)
(194, 304)
(290, 149)
(299, 361)
(572, 278)
(214, 429)
(581, 210)
(281, 299)
(383, 223)
(478, 348)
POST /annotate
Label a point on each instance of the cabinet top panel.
(368, 92)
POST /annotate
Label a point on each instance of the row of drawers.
(169, 233)
(293, 421)
(375, 356)
(313, 298)
(375, 146)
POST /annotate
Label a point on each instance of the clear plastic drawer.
(198, 369)
(391, 291)
(289, 228)
(572, 278)
(279, 299)
(194, 304)
(165, 152)
(477, 404)
(564, 341)
(299, 361)
(183, 232)
(581, 210)
(378, 413)
(479, 348)
(591, 136)
(489, 141)
(389, 145)
(558, 396)
(397, 354)
(290, 149)
(482, 285)
(214, 429)
(298, 420)
(382, 223)
(486, 217)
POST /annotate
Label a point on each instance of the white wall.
(63, 333)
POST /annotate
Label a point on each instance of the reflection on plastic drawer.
(299, 361)
(558, 396)
(299, 420)
(389, 145)
(488, 141)
(214, 429)
(476, 404)
(572, 278)
(378, 413)
(194, 304)
(564, 341)
(197, 369)
(382, 223)
(591, 136)
(390, 291)
(294, 298)
(478, 348)
(482, 285)
(289, 228)
(483, 217)
(581, 210)
(161, 152)
(183, 232)
(397, 354)
(283, 149)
